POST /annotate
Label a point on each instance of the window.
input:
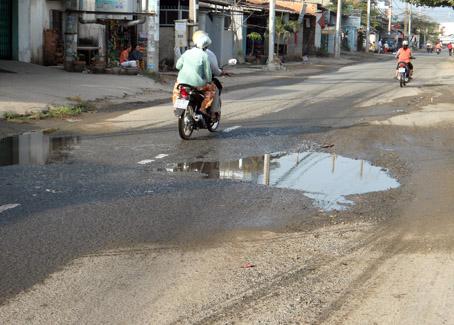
(172, 10)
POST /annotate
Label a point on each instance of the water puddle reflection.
(36, 148)
(325, 178)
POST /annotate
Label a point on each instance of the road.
(114, 232)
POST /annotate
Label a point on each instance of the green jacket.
(194, 66)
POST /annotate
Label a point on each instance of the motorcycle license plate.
(401, 69)
(181, 103)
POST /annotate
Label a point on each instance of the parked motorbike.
(187, 109)
(403, 74)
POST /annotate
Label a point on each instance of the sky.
(439, 14)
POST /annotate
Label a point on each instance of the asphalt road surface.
(130, 224)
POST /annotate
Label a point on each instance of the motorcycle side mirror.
(233, 61)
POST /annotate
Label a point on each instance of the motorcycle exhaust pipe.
(198, 117)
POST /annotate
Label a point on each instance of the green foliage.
(432, 3)
(78, 108)
(322, 51)
(254, 37)
(285, 29)
(375, 23)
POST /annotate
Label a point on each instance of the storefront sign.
(328, 30)
(115, 5)
(352, 21)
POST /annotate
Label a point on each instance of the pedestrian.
(136, 55)
(450, 48)
(380, 46)
(386, 47)
(124, 58)
(372, 47)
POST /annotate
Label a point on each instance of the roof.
(293, 7)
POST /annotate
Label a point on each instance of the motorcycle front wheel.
(213, 124)
(185, 125)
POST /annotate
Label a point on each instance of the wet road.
(112, 190)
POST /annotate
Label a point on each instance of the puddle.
(326, 178)
(34, 148)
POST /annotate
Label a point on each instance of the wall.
(37, 12)
(166, 44)
(240, 44)
(24, 52)
(33, 18)
(295, 50)
(222, 41)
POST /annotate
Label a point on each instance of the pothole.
(36, 148)
(325, 178)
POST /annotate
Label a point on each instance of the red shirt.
(124, 56)
(404, 55)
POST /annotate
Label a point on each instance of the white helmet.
(202, 41)
(405, 43)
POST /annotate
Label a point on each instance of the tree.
(376, 24)
(285, 30)
(432, 3)
(254, 36)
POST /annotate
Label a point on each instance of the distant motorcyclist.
(438, 48)
(404, 55)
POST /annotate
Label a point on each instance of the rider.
(404, 55)
(194, 66)
(215, 70)
(438, 46)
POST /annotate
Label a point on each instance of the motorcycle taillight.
(183, 93)
(402, 65)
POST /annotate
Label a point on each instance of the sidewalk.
(26, 88)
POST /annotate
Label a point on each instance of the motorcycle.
(438, 51)
(403, 75)
(187, 109)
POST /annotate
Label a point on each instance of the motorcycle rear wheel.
(212, 125)
(401, 80)
(185, 125)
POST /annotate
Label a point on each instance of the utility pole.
(338, 31)
(406, 20)
(390, 17)
(70, 35)
(271, 29)
(409, 22)
(368, 26)
(153, 36)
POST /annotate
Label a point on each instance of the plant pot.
(78, 66)
(250, 58)
(263, 59)
(129, 71)
(99, 67)
(116, 70)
